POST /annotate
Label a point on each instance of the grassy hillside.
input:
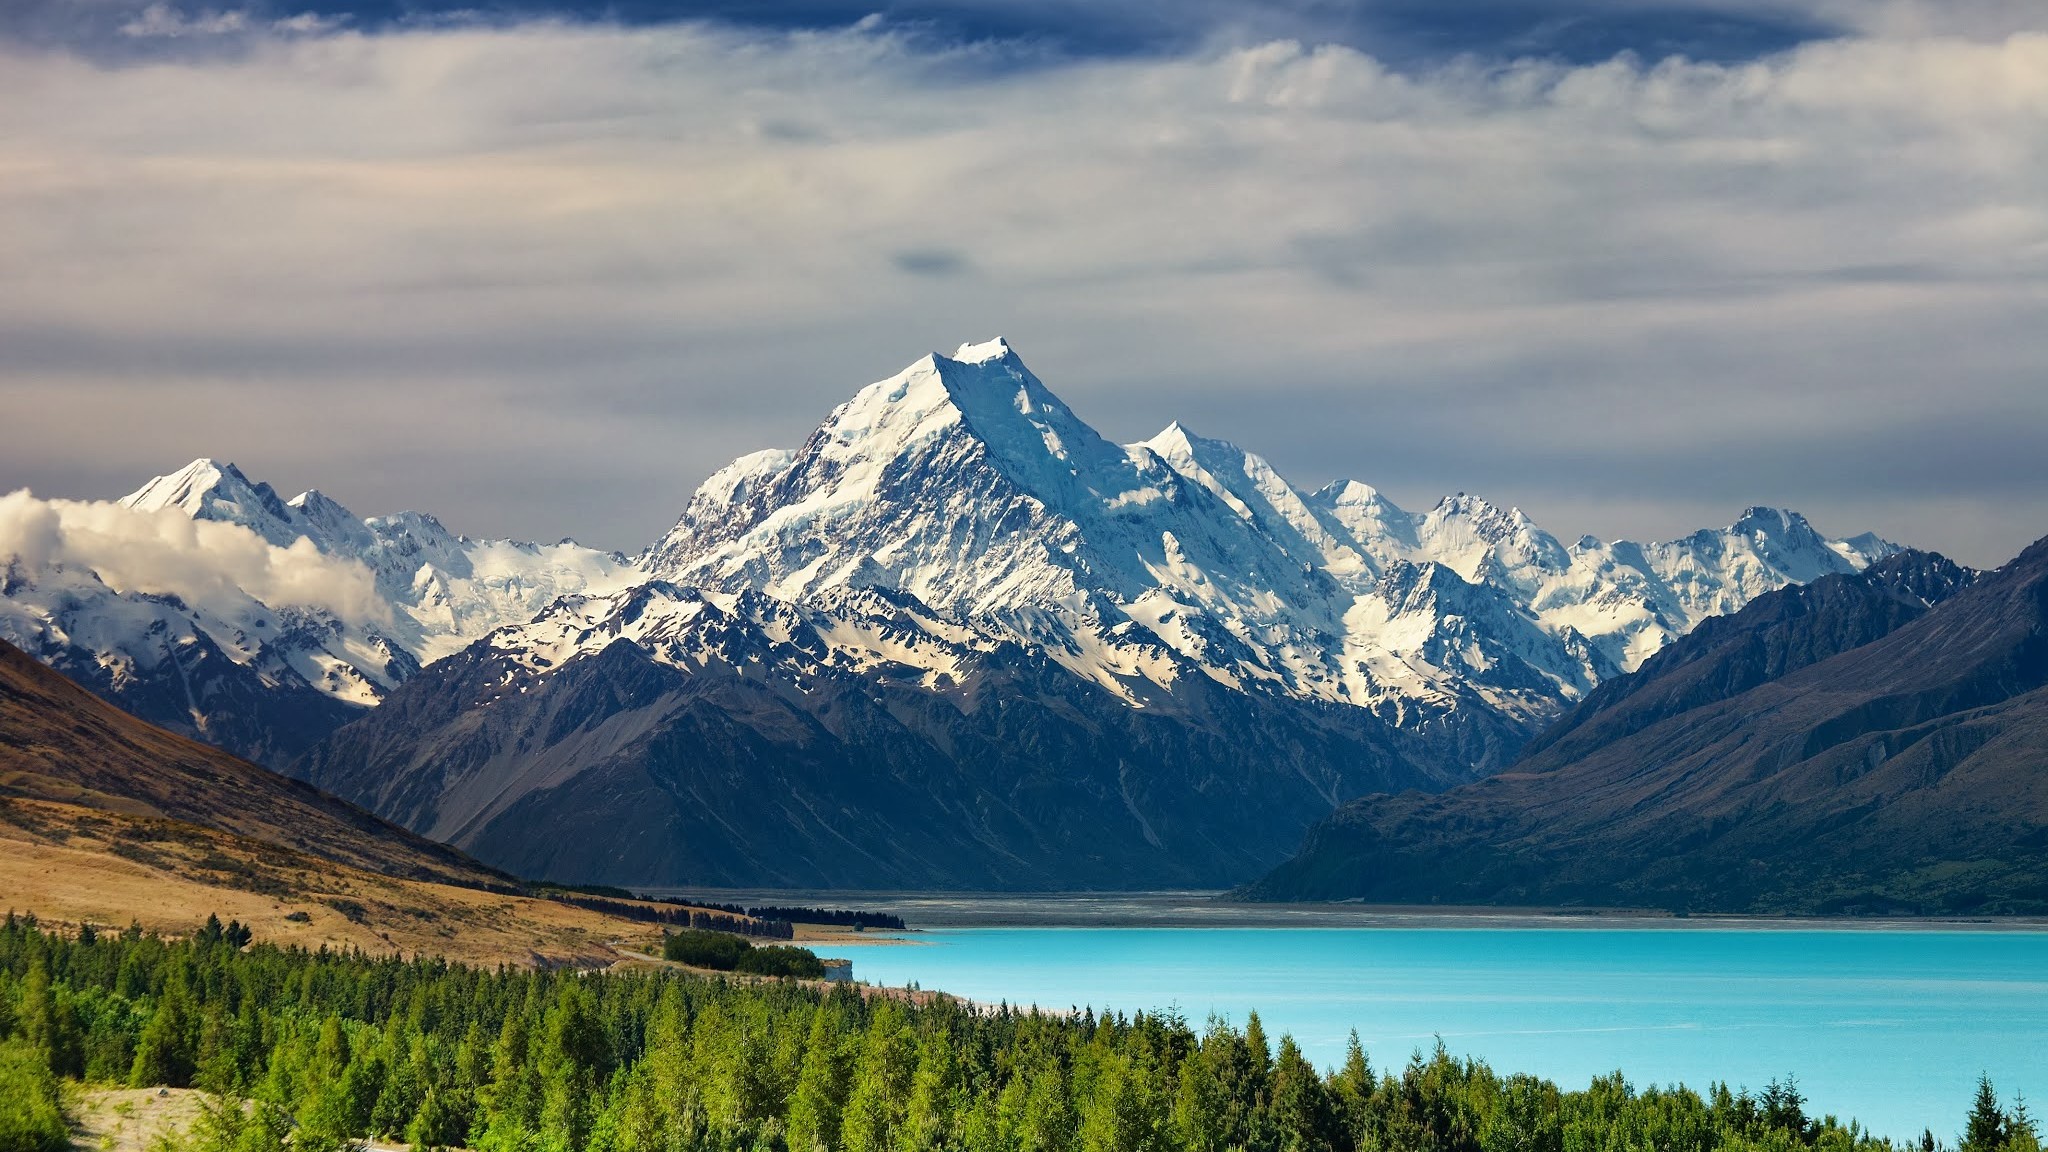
(60, 743)
(107, 820)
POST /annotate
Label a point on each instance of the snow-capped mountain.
(183, 636)
(955, 601)
(264, 683)
(447, 590)
(965, 483)
(955, 617)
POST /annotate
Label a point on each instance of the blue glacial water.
(1889, 1027)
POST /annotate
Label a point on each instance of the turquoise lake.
(1890, 1027)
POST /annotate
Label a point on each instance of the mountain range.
(268, 679)
(1868, 743)
(955, 638)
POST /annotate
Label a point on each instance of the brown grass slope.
(60, 743)
(1907, 774)
(72, 865)
(109, 820)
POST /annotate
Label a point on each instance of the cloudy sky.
(539, 268)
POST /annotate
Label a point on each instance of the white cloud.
(163, 20)
(307, 24)
(542, 278)
(204, 563)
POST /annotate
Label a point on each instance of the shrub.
(783, 960)
(701, 949)
(30, 1118)
(723, 953)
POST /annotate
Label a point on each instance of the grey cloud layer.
(541, 279)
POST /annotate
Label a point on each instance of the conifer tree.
(1302, 1111)
(164, 1052)
(821, 1087)
(1984, 1131)
(937, 1097)
(49, 1021)
(1121, 1115)
(1256, 1047)
(2021, 1135)
(881, 1084)
(1352, 1090)
(1201, 1115)
(1049, 1123)
(570, 1065)
(437, 1124)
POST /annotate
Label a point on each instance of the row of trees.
(723, 953)
(681, 917)
(838, 917)
(331, 1047)
(772, 921)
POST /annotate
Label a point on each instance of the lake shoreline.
(1206, 909)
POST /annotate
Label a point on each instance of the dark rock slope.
(740, 770)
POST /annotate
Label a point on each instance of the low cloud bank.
(203, 563)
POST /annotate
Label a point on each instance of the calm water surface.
(1888, 1026)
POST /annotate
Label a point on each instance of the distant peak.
(205, 470)
(1174, 438)
(1463, 503)
(1762, 518)
(412, 519)
(1349, 492)
(982, 353)
(321, 507)
(189, 485)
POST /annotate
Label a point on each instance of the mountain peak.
(1768, 521)
(1338, 493)
(1491, 521)
(982, 353)
(986, 392)
(1177, 441)
(207, 489)
(184, 487)
(1466, 504)
(314, 502)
